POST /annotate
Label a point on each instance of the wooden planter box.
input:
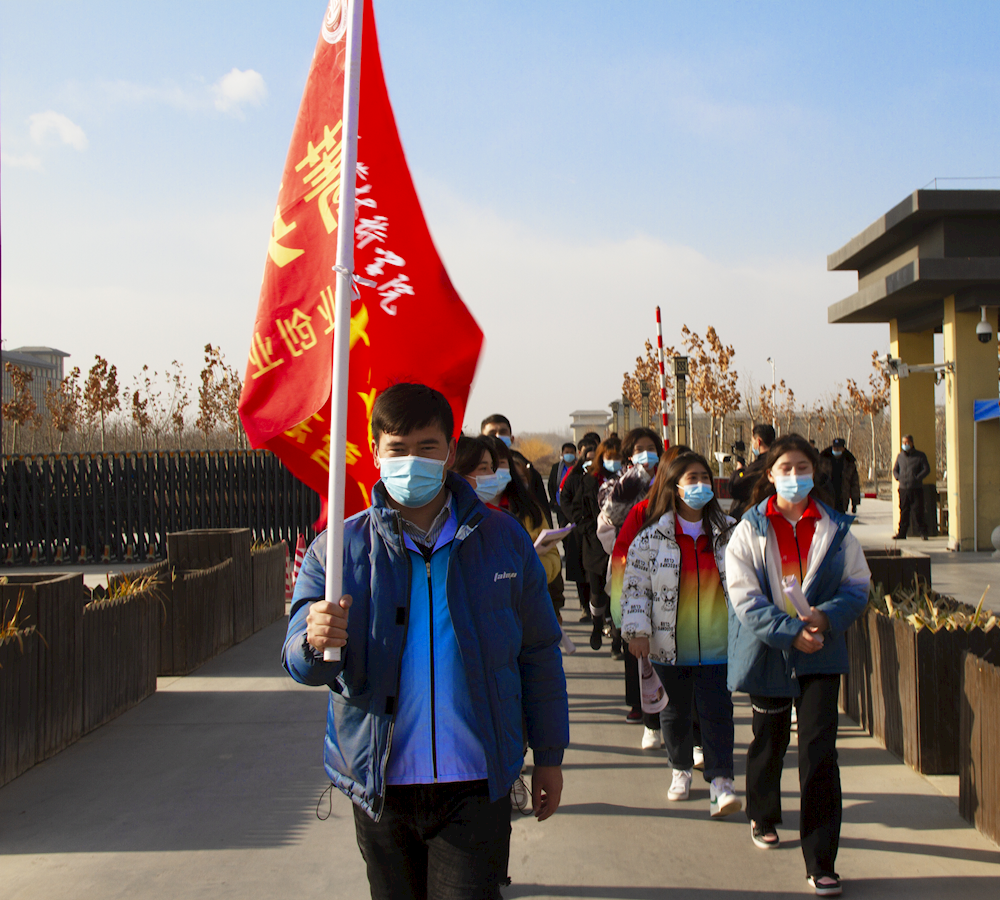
(121, 654)
(54, 603)
(896, 568)
(18, 704)
(204, 548)
(197, 621)
(904, 687)
(979, 774)
(268, 566)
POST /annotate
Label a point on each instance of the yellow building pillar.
(974, 378)
(911, 402)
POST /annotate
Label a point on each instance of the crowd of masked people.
(680, 587)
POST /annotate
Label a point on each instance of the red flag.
(412, 326)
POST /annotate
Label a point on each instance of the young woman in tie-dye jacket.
(675, 611)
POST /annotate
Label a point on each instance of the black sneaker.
(764, 836)
(825, 884)
(596, 638)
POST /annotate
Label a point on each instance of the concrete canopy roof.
(932, 245)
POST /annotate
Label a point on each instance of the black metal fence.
(70, 508)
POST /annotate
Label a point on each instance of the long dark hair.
(663, 495)
(786, 443)
(520, 501)
(634, 436)
(469, 454)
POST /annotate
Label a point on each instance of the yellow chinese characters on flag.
(411, 326)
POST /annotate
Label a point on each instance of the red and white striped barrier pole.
(663, 381)
(300, 555)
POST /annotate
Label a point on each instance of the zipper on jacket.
(798, 550)
(697, 571)
(430, 608)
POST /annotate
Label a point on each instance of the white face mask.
(487, 487)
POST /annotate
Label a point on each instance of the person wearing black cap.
(841, 468)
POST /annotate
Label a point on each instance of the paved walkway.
(209, 790)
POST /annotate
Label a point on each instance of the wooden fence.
(121, 506)
(979, 781)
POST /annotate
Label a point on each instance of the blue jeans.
(706, 687)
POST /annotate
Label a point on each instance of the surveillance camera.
(984, 331)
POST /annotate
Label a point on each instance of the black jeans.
(436, 842)
(704, 686)
(911, 498)
(819, 772)
(633, 692)
(599, 598)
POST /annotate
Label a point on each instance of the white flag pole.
(342, 316)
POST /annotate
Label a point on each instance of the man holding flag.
(451, 644)
(426, 615)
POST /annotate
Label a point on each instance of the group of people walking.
(702, 597)
(449, 634)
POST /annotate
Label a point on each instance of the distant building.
(45, 365)
(585, 420)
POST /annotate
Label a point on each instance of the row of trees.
(717, 396)
(86, 414)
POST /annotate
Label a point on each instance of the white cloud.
(25, 161)
(45, 124)
(236, 89)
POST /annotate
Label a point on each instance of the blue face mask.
(506, 440)
(504, 478)
(838, 453)
(793, 488)
(569, 458)
(412, 481)
(488, 486)
(906, 448)
(697, 495)
(612, 465)
(646, 458)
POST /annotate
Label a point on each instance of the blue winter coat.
(504, 622)
(762, 660)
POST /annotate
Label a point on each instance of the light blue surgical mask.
(793, 488)
(569, 458)
(697, 495)
(412, 481)
(506, 440)
(907, 448)
(838, 453)
(612, 465)
(646, 458)
(504, 478)
(755, 452)
(488, 486)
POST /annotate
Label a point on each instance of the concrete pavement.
(209, 789)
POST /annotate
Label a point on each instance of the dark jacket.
(536, 486)
(554, 480)
(504, 622)
(911, 469)
(586, 508)
(741, 486)
(850, 484)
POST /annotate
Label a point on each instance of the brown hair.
(609, 448)
(663, 495)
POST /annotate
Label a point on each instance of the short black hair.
(765, 433)
(496, 419)
(403, 408)
(569, 444)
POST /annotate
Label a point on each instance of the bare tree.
(100, 394)
(65, 404)
(871, 403)
(20, 410)
(713, 382)
(647, 368)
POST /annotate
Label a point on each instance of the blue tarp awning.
(986, 409)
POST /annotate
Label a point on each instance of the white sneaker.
(651, 739)
(680, 785)
(699, 758)
(722, 798)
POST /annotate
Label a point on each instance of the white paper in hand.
(792, 590)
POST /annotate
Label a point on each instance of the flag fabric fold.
(410, 325)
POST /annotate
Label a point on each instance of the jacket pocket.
(350, 736)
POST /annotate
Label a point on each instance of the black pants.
(819, 773)
(599, 598)
(911, 498)
(633, 692)
(436, 842)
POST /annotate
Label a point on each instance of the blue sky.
(578, 164)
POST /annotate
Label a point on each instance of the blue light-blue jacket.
(762, 660)
(504, 622)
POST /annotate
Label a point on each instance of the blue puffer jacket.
(505, 626)
(762, 660)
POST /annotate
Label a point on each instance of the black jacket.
(849, 490)
(911, 469)
(554, 492)
(586, 507)
(741, 486)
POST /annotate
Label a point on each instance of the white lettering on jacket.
(500, 576)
